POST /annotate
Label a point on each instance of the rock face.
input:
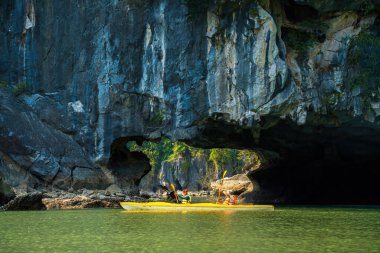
(34, 153)
(6, 193)
(193, 173)
(80, 79)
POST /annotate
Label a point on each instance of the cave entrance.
(320, 165)
(128, 167)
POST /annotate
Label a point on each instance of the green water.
(287, 229)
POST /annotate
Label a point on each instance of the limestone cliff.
(80, 79)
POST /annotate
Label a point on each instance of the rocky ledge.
(64, 200)
(81, 202)
(84, 199)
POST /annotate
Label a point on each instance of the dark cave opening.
(298, 13)
(320, 166)
(303, 26)
(129, 167)
(319, 181)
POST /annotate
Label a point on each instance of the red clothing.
(230, 200)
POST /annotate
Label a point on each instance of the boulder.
(79, 202)
(239, 184)
(30, 201)
(114, 189)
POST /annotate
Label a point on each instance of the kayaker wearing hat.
(184, 197)
(230, 199)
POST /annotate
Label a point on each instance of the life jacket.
(186, 199)
(232, 200)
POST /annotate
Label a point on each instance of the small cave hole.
(298, 13)
(129, 167)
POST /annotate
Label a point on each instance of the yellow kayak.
(164, 206)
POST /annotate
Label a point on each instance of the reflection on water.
(204, 199)
(104, 230)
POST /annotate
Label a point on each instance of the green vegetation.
(3, 85)
(249, 158)
(221, 157)
(20, 88)
(299, 40)
(157, 118)
(364, 58)
(178, 151)
(217, 159)
(196, 152)
(157, 152)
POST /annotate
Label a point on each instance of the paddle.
(175, 193)
(221, 185)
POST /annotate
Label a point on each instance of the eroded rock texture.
(6, 193)
(31, 201)
(76, 76)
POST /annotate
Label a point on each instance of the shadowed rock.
(6, 193)
(31, 201)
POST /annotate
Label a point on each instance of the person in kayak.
(184, 197)
(230, 199)
(170, 195)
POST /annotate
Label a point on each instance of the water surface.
(287, 229)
